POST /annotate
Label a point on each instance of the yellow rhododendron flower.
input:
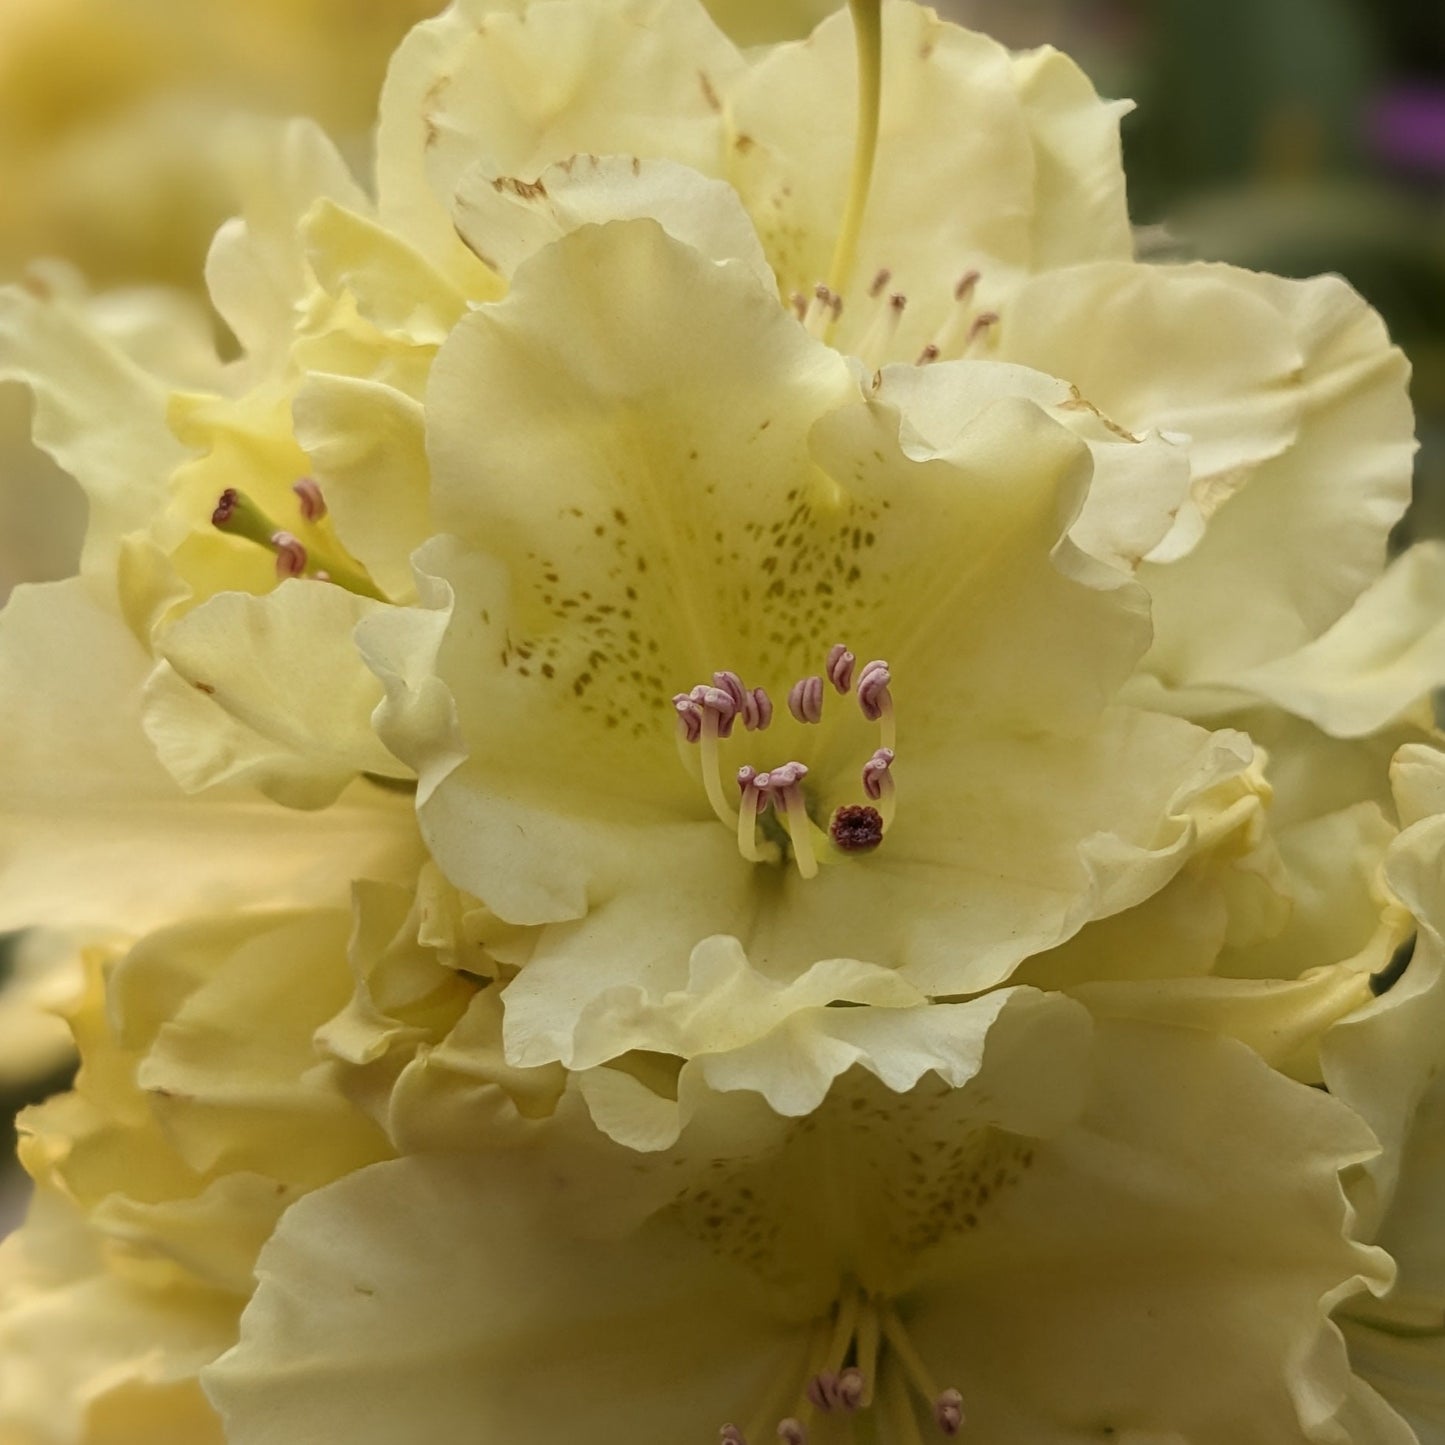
(1023, 1239)
(848, 950)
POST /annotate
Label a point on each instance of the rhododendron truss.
(733, 783)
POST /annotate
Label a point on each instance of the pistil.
(300, 550)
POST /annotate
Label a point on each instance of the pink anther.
(840, 667)
(805, 699)
(782, 780)
(689, 716)
(964, 287)
(754, 788)
(981, 323)
(731, 684)
(875, 770)
(850, 1389)
(713, 701)
(791, 1432)
(731, 1435)
(873, 695)
(879, 281)
(290, 554)
(822, 1390)
(948, 1412)
(313, 504)
(757, 710)
(928, 355)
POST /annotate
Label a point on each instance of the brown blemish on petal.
(523, 190)
(204, 687)
(708, 93)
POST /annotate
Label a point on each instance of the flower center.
(860, 1359)
(773, 816)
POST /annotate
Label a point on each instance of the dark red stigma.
(857, 828)
(224, 508)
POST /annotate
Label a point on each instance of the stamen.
(947, 1405)
(731, 1435)
(879, 281)
(900, 1411)
(876, 700)
(877, 340)
(800, 304)
(824, 309)
(706, 714)
(955, 334)
(755, 800)
(840, 667)
(313, 504)
(878, 783)
(757, 710)
(290, 554)
(856, 829)
(927, 356)
(782, 784)
(948, 1411)
(849, 1389)
(866, 1350)
(805, 699)
(689, 717)
(791, 1432)
(982, 324)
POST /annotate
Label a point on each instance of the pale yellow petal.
(97, 834)
(1374, 664)
(268, 692)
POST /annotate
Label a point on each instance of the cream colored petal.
(1177, 349)
(1333, 496)
(223, 1012)
(1081, 211)
(395, 288)
(1383, 1059)
(41, 973)
(765, 22)
(1209, 1201)
(796, 1056)
(1406, 1371)
(269, 692)
(504, 219)
(367, 450)
(1419, 783)
(1338, 904)
(1183, 1245)
(95, 832)
(960, 117)
(85, 1351)
(257, 270)
(1138, 484)
(376, 1310)
(462, 1094)
(519, 88)
(1374, 664)
(99, 414)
